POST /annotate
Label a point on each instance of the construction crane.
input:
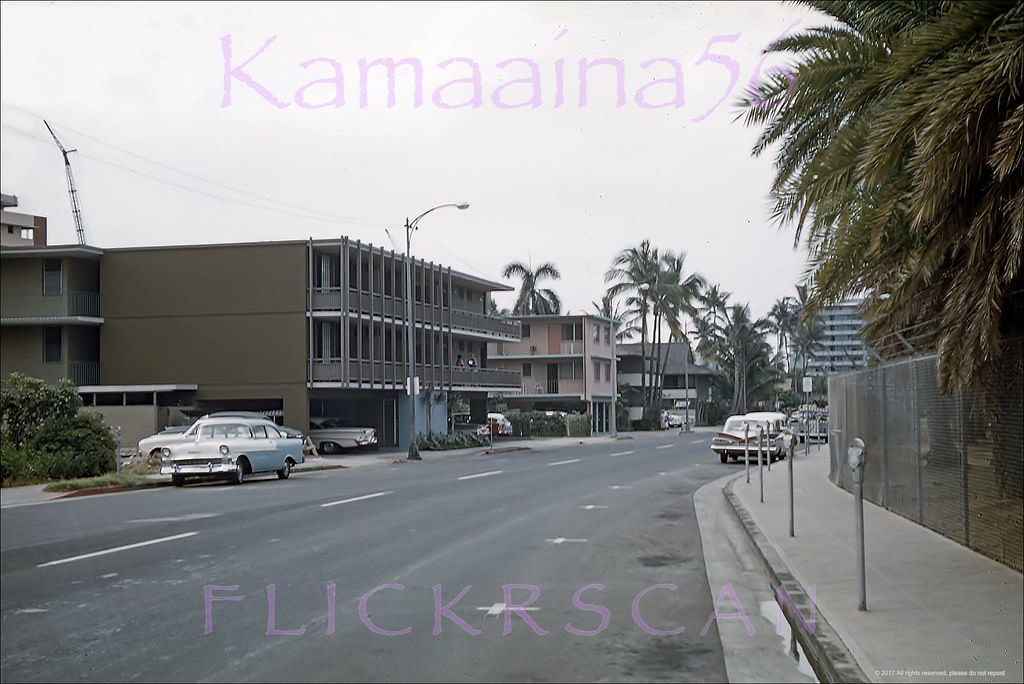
(75, 209)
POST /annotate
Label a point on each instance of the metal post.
(615, 384)
(746, 449)
(855, 455)
(760, 460)
(410, 345)
(790, 447)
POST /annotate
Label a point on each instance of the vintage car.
(149, 447)
(230, 448)
(331, 435)
(732, 443)
(497, 425)
(292, 433)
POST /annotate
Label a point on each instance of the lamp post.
(686, 379)
(410, 344)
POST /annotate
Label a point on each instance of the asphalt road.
(384, 573)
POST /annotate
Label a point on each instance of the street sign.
(807, 383)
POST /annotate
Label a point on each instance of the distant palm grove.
(898, 135)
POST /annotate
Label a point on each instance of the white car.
(331, 435)
(231, 448)
(740, 436)
(497, 424)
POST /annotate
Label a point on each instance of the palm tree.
(674, 298)
(609, 308)
(712, 310)
(783, 318)
(634, 272)
(900, 164)
(745, 355)
(533, 299)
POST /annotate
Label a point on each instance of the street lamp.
(410, 351)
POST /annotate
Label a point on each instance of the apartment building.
(684, 383)
(295, 329)
(841, 349)
(566, 363)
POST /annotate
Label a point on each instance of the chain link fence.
(952, 462)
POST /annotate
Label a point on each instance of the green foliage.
(27, 403)
(578, 424)
(45, 436)
(897, 129)
(81, 447)
(536, 423)
(452, 440)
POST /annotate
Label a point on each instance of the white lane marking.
(592, 507)
(698, 441)
(117, 548)
(355, 498)
(30, 611)
(620, 487)
(563, 540)
(487, 474)
(622, 453)
(571, 460)
(665, 446)
(179, 518)
(499, 608)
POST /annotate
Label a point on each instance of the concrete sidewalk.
(936, 611)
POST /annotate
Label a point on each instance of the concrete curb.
(826, 653)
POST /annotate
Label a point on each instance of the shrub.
(27, 403)
(578, 424)
(453, 440)
(81, 447)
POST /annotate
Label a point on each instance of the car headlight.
(224, 449)
(165, 452)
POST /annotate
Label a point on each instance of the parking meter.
(855, 457)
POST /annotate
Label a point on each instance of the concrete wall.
(229, 318)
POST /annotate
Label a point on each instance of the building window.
(328, 273)
(526, 329)
(572, 331)
(608, 372)
(597, 370)
(52, 343)
(597, 332)
(327, 345)
(608, 334)
(51, 277)
(527, 370)
(570, 370)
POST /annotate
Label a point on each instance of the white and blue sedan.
(230, 448)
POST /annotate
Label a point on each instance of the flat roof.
(101, 389)
(484, 283)
(50, 251)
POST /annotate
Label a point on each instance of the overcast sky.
(205, 123)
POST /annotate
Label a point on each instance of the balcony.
(33, 307)
(388, 373)
(330, 299)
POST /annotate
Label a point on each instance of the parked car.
(292, 433)
(230, 448)
(674, 420)
(149, 447)
(497, 425)
(331, 435)
(730, 443)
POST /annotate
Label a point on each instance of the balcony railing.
(330, 299)
(389, 373)
(35, 305)
(84, 372)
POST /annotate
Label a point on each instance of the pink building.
(567, 364)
